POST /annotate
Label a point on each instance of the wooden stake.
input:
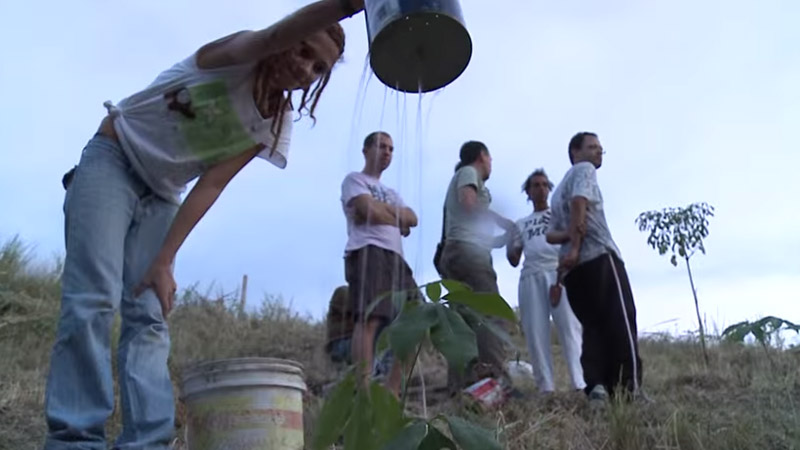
(243, 299)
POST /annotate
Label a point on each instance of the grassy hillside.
(742, 401)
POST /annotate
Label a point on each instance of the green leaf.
(737, 331)
(455, 286)
(436, 440)
(761, 329)
(475, 320)
(383, 341)
(488, 304)
(499, 332)
(434, 291)
(409, 438)
(759, 334)
(791, 326)
(398, 299)
(454, 338)
(387, 414)
(335, 413)
(679, 230)
(674, 260)
(410, 327)
(358, 433)
(469, 436)
(771, 323)
(402, 298)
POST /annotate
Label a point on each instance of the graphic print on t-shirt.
(361, 233)
(381, 194)
(209, 124)
(539, 255)
(536, 226)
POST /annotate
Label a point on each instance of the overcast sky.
(693, 101)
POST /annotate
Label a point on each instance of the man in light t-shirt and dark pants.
(377, 220)
(594, 275)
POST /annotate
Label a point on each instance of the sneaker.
(598, 397)
(640, 396)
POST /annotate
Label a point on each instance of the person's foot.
(640, 396)
(598, 397)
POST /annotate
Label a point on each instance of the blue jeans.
(340, 353)
(114, 227)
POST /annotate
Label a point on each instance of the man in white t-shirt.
(377, 221)
(538, 274)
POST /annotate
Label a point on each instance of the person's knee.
(364, 336)
(144, 310)
(86, 310)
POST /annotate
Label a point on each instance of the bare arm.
(408, 218)
(204, 193)
(501, 240)
(514, 253)
(502, 222)
(557, 237)
(250, 46)
(507, 238)
(577, 223)
(369, 210)
(468, 197)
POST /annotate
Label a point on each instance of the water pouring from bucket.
(417, 45)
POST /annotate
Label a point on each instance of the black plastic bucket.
(417, 45)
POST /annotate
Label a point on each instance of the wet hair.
(536, 173)
(372, 138)
(470, 152)
(281, 101)
(577, 142)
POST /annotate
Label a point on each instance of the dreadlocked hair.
(280, 101)
(536, 173)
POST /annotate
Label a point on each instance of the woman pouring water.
(204, 118)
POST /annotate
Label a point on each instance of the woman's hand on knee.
(159, 278)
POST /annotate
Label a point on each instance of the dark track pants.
(601, 297)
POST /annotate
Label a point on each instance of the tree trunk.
(697, 311)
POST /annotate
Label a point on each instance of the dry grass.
(740, 402)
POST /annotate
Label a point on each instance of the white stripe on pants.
(535, 311)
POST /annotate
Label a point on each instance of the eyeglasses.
(602, 152)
